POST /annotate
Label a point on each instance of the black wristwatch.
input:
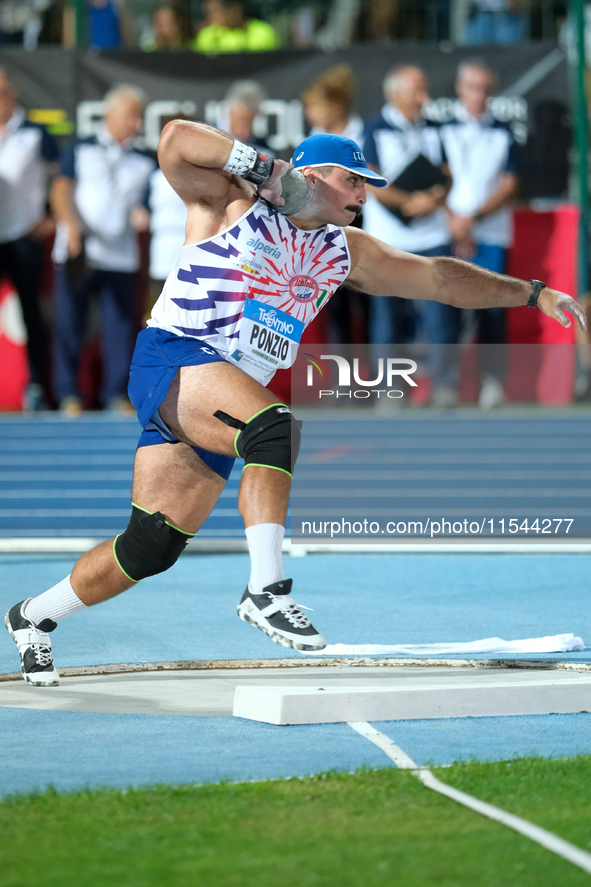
(261, 171)
(537, 287)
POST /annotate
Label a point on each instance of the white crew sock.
(59, 601)
(264, 546)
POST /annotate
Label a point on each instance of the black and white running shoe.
(34, 647)
(276, 613)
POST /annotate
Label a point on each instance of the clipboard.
(419, 175)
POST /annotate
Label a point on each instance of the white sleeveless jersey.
(250, 291)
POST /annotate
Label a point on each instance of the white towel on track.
(559, 643)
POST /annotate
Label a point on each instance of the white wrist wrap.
(242, 158)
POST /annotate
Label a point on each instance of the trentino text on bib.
(268, 340)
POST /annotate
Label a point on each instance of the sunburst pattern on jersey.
(320, 255)
(205, 293)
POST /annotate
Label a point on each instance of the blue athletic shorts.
(156, 359)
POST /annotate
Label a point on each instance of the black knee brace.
(149, 545)
(271, 439)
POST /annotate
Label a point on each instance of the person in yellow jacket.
(227, 29)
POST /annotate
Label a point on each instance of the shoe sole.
(278, 638)
(27, 677)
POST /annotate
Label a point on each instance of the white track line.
(546, 839)
(17, 544)
(300, 549)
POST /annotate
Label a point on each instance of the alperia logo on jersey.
(267, 248)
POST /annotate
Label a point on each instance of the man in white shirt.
(393, 139)
(102, 180)
(239, 111)
(168, 217)
(483, 155)
(27, 155)
(164, 214)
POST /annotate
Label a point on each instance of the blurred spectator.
(102, 180)
(227, 29)
(241, 106)
(21, 21)
(104, 27)
(328, 101)
(340, 25)
(482, 156)
(167, 227)
(382, 20)
(412, 220)
(495, 21)
(27, 155)
(165, 214)
(386, 21)
(172, 28)
(107, 25)
(303, 27)
(14, 16)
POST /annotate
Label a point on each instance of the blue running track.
(65, 478)
(73, 478)
(61, 478)
(460, 465)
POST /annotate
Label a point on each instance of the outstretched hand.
(271, 189)
(553, 304)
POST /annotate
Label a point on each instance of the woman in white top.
(327, 104)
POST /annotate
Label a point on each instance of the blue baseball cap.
(326, 149)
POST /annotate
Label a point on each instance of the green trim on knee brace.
(150, 545)
(270, 439)
(270, 467)
(271, 405)
(184, 532)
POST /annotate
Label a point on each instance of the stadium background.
(63, 90)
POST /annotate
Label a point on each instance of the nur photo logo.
(389, 371)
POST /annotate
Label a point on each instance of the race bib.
(268, 340)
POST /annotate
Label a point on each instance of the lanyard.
(114, 166)
(466, 144)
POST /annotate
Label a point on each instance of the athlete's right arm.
(192, 156)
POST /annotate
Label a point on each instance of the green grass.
(367, 829)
